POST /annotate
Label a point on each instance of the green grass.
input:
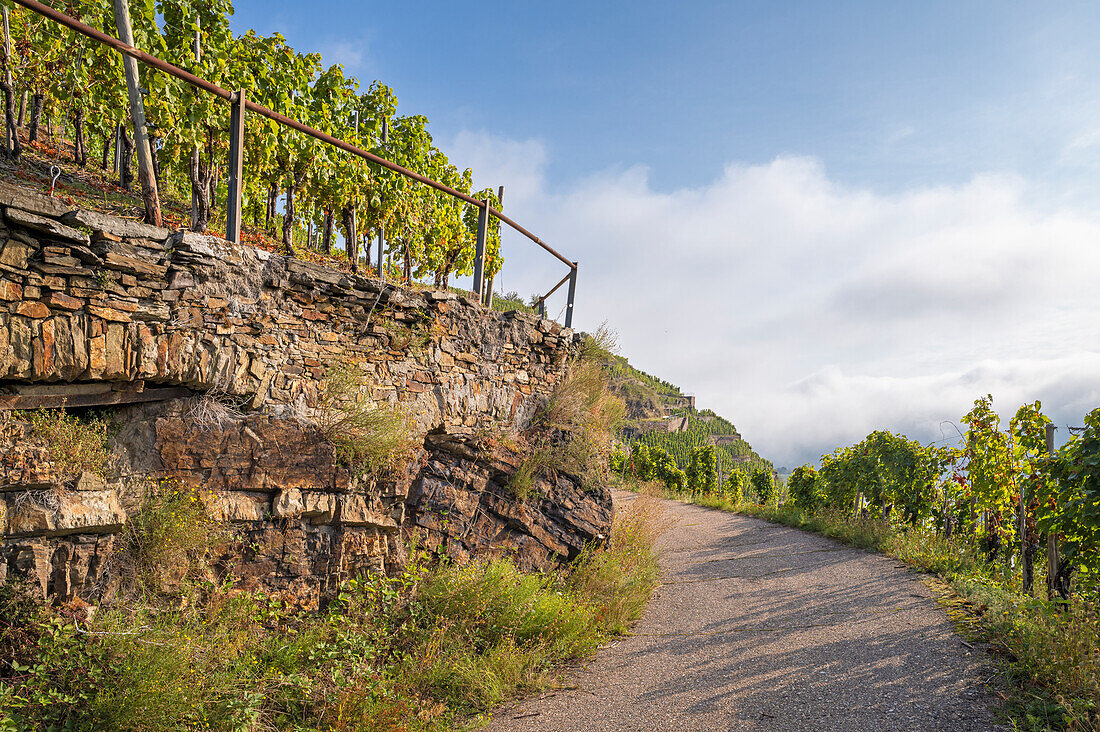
(1052, 654)
(429, 649)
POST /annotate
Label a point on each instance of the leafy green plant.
(804, 489)
(167, 540)
(76, 445)
(1071, 507)
(763, 485)
(735, 488)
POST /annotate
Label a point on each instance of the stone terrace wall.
(86, 298)
(94, 298)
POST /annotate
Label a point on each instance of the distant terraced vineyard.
(656, 418)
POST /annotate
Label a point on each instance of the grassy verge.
(430, 649)
(1052, 654)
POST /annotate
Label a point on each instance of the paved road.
(762, 627)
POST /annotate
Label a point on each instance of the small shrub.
(167, 540)
(368, 436)
(76, 445)
(734, 488)
(534, 464)
(763, 485)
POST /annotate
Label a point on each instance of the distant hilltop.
(659, 414)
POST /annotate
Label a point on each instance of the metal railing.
(240, 106)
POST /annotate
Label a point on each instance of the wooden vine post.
(149, 194)
(1027, 546)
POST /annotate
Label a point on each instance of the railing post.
(236, 165)
(381, 240)
(542, 308)
(479, 252)
(572, 295)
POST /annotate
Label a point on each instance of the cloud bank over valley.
(811, 312)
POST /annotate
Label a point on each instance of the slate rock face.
(461, 505)
(92, 304)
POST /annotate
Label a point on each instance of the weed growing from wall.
(76, 444)
(167, 541)
(573, 430)
(371, 437)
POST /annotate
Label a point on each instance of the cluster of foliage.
(681, 446)
(75, 444)
(428, 234)
(684, 460)
(423, 650)
(700, 479)
(1001, 490)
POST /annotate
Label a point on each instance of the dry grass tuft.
(600, 346)
(368, 436)
(582, 399)
(214, 410)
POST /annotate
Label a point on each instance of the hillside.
(659, 414)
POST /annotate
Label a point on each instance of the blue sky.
(887, 94)
(821, 218)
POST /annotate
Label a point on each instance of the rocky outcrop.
(461, 505)
(88, 300)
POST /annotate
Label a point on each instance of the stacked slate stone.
(103, 310)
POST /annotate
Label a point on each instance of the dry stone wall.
(88, 300)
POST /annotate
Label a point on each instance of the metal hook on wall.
(55, 171)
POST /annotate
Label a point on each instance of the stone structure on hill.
(680, 402)
(96, 310)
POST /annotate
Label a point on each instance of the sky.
(819, 218)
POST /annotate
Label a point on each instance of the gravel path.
(761, 627)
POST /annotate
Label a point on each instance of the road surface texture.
(762, 627)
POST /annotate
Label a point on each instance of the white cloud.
(352, 54)
(811, 313)
(900, 134)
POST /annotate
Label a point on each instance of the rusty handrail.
(555, 287)
(229, 96)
